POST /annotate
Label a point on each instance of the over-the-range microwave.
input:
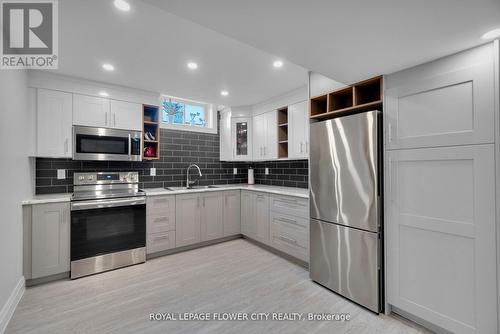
(92, 143)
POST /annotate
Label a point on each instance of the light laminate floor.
(235, 276)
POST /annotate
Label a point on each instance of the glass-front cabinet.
(241, 138)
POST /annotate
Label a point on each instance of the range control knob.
(90, 177)
(81, 178)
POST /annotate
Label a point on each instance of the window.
(187, 115)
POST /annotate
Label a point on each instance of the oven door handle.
(107, 203)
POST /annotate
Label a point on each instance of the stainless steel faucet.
(189, 182)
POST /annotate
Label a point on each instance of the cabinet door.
(54, 121)
(126, 115)
(91, 111)
(446, 107)
(259, 136)
(50, 239)
(248, 227)
(187, 220)
(225, 136)
(440, 236)
(271, 135)
(298, 131)
(232, 213)
(262, 218)
(241, 134)
(212, 224)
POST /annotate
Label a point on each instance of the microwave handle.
(129, 147)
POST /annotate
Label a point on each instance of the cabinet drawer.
(290, 205)
(290, 235)
(158, 242)
(159, 205)
(160, 222)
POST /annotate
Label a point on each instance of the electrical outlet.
(61, 174)
(152, 171)
(235, 171)
(266, 171)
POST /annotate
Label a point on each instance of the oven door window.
(103, 231)
(98, 144)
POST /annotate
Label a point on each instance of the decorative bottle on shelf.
(251, 179)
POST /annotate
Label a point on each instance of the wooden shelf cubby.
(361, 96)
(151, 123)
(283, 133)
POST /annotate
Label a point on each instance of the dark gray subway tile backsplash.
(178, 149)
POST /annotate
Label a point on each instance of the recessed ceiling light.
(224, 93)
(278, 63)
(103, 94)
(192, 65)
(122, 5)
(108, 67)
(491, 34)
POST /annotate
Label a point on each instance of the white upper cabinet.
(298, 131)
(225, 136)
(54, 120)
(440, 105)
(125, 115)
(91, 111)
(265, 134)
(241, 138)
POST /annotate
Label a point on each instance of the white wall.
(319, 84)
(15, 181)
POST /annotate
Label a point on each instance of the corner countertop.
(49, 198)
(286, 191)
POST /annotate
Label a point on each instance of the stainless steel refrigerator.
(346, 207)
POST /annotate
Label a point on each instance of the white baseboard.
(11, 304)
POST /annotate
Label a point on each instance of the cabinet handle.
(225, 199)
(289, 201)
(307, 147)
(66, 145)
(261, 151)
(203, 201)
(301, 143)
(114, 119)
(161, 238)
(289, 221)
(288, 240)
(105, 118)
(265, 151)
(389, 132)
(161, 219)
(198, 202)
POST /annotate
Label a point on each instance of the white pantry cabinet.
(298, 131)
(53, 125)
(91, 111)
(126, 115)
(232, 212)
(265, 136)
(50, 233)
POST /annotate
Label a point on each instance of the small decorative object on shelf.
(283, 133)
(361, 96)
(151, 132)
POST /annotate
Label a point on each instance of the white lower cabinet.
(232, 212)
(212, 224)
(187, 219)
(255, 216)
(440, 236)
(160, 223)
(50, 239)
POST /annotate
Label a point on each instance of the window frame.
(210, 116)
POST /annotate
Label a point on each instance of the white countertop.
(49, 198)
(287, 191)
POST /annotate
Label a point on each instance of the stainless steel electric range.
(108, 222)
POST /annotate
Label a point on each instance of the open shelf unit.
(283, 133)
(360, 96)
(151, 124)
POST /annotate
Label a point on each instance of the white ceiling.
(150, 48)
(347, 40)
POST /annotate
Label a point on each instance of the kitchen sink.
(190, 188)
